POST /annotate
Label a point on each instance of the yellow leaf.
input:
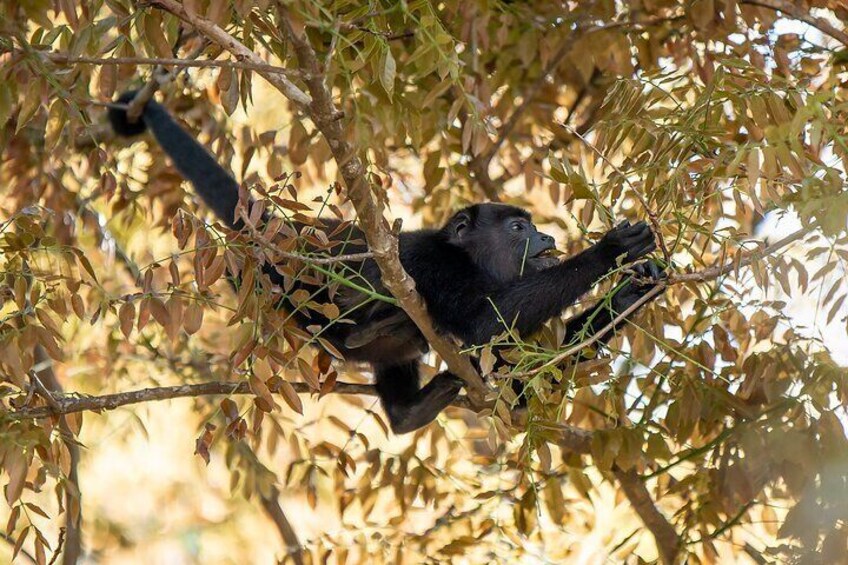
(16, 467)
(290, 396)
(126, 317)
(193, 317)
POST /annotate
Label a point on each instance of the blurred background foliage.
(723, 122)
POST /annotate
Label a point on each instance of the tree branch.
(271, 505)
(276, 76)
(173, 62)
(479, 164)
(569, 437)
(158, 78)
(68, 404)
(381, 241)
(703, 276)
(668, 542)
(796, 12)
(531, 94)
(12, 542)
(720, 270)
(72, 548)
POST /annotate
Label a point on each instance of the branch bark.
(381, 241)
(668, 542)
(72, 548)
(68, 404)
(271, 505)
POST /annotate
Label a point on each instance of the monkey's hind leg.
(408, 406)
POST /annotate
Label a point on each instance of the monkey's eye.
(516, 226)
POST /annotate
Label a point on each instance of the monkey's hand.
(631, 241)
(645, 276)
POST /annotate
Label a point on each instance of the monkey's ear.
(458, 226)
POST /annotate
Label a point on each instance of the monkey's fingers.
(648, 273)
(645, 247)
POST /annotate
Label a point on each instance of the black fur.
(483, 272)
(216, 186)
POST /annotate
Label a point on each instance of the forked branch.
(319, 106)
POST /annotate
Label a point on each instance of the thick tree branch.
(381, 241)
(668, 542)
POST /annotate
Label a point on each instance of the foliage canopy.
(714, 428)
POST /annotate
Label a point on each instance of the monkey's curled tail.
(212, 182)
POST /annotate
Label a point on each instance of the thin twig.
(259, 237)
(158, 78)
(530, 94)
(42, 390)
(173, 62)
(796, 12)
(719, 270)
(13, 542)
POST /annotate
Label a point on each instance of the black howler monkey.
(484, 270)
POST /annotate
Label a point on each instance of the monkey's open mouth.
(545, 253)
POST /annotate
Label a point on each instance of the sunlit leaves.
(705, 118)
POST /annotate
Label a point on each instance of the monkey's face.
(501, 240)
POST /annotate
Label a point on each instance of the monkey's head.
(500, 239)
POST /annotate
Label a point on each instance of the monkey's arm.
(538, 297)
